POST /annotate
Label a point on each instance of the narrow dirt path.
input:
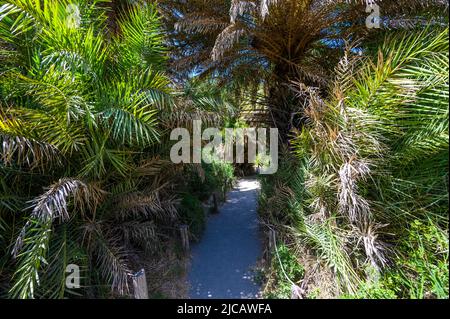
(223, 261)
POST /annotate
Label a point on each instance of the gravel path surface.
(222, 261)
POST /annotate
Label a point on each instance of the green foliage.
(428, 259)
(216, 176)
(373, 156)
(420, 270)
(286, 265)
(80, 107)
(86, 105)
(375, 291)
(424, 264)
(193, 214)
(219, 175)
(201, 182)
(282, 193)
(291, 266)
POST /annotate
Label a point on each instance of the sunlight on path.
(223, 260)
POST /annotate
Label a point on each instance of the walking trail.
(223, 261)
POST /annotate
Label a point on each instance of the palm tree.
(79, 110)
(274, 42)
(372, 158)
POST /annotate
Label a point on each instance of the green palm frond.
(31, 246)
(375, 152)
(86, 92)
(64, 250)
(330, 247)
(33, 242)
(140, 41)
(99, 158)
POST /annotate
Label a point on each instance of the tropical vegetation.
(91, 89)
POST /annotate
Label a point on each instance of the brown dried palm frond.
(318, 186)
(351, 202)
(345, 68)
(332, 131)
(153, 202)
(239, 7)
(15, 148)
(185, 111)
(264, 7)
(293, 27)
(151, 167)
(312, 73)
(27, 152)
(226, 40)
(368, 235)
(286, 34)
(142, 233)
(198, 22)
(111, 256)
(294, 37)
(282, 193)
(54, 203)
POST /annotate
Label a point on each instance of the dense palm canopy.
(275, 42)
(366, 145)
(83, 111)
(89, 94)
(83, 108)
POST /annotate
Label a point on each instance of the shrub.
(284, 264)
(192, 214)
(217, 176)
